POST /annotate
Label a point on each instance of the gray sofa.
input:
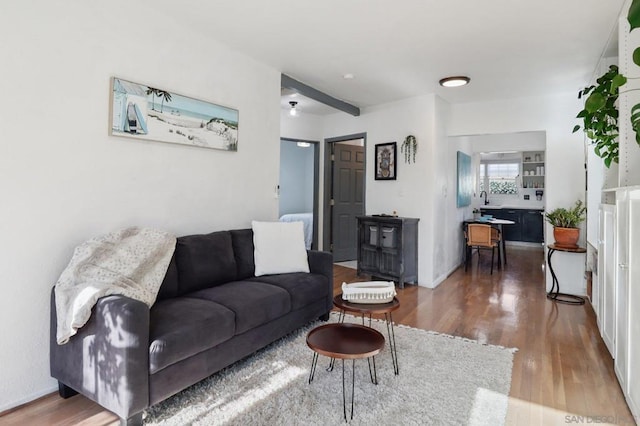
(211, 311)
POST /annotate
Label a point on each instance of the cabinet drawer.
(389, 237)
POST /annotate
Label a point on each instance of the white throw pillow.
(279, 248)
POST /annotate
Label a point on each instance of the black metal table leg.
(313, 367)
(392, 343)
(554, 294)
(373, 374)
(344, 397)
(341, 316)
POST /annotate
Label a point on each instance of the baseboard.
(443, 277)
(17, 404)
(524, 244)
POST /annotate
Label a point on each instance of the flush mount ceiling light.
(456, 81)
(303, 144)
(293, 111)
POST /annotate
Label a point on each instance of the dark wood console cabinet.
(388, 248)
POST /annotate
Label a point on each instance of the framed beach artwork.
(464, 183)
(386, 161)
(143, 112)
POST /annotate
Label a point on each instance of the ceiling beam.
(308, 91)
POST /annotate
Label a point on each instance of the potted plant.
(565, 224)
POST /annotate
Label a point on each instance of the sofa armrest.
(108, 359)
(321, 262)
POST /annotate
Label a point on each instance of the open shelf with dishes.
(533, 169)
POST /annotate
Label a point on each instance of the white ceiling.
(401, 48)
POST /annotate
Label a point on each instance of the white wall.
(446, 227)
(454, 215)
(412, 193)
(303, 126)
(565, 177)
(64, 180)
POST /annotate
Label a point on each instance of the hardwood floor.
(562, 372)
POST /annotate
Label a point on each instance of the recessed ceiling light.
(348, 76)
(454, 81)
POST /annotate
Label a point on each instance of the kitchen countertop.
(494, 207)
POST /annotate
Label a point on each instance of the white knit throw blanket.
(131, 262)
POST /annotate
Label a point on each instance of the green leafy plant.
(409, 147)
(567, 218)
(633, 16)
(600, 114)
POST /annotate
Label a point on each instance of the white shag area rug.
(443, 380)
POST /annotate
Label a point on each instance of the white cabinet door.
(633, 279)
(622, 288)
(606, 274)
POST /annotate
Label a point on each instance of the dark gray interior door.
(348, 199)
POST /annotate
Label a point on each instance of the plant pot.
(566, 237)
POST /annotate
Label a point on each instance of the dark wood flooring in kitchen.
(562, 369)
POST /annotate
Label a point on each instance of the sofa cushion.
(169, 287)
(204, 261)
(181, 327)
(279, 248)
(242, 241)
(254, 303)
(303, 289)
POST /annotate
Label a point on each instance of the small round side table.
(345, 341)
(554, 294)
(369, 309)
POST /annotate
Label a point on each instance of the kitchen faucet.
(485, 197)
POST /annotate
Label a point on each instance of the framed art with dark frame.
(386, 154)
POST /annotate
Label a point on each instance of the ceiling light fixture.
(348, 76)
(303, 144)
(456, 81)
(293, 110)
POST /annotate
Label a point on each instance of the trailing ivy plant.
(409, 147)
(600, 114)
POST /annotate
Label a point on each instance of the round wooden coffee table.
(369, 309)
(345, 341)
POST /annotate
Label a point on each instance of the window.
(499, 177)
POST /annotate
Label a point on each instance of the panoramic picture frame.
(386, 156)
(143, 112)
(464, 180)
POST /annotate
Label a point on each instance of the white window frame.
(485, 180)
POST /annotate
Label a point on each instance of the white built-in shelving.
(533, 169)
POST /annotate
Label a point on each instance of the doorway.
(344, 189)
(299, 186)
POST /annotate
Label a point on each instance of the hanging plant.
(409, 147)
(600, 114)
